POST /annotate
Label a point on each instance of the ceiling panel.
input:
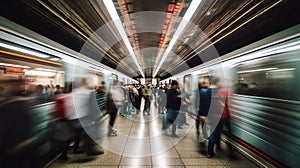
(216, 28)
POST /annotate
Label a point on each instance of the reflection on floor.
(142, 143)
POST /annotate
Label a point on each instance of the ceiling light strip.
(226, 18)
(115, 17)
(28, 57)
(187, 16)
(241, 25)
(64, 20)
(23, 50)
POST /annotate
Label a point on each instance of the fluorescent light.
(39, 73)
(70, 60)
(26, 51)
(280, 70)
(54, 59)
(250, 58)
(106, 71)
(201, 71)
(115, 17)
(43, 69)
(101, 70)
(185, 20)
(257, 70)
(14, 65)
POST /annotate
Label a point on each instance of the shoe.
(210, 155)
(112, 133)
(63, 157)
(175, 136)
(219, 149)
(78, 151)
(179, 127)
(186, 124)
(94, 151)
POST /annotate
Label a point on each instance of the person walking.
(173, 106)
(147, 94)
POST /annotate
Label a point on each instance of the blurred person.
(173, 106)
(65, 133)
(15, 123)
(132, 96)
(210, 112)
(38, 94)
(161, 98)
(101, 97)
(47, 92)
(115, 98)
(57, 90)
(147, 94)
(138, 98)
(123, 108)
(202, 86)
(154, 91)
(185, 101)
(87, 116)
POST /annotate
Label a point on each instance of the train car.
(264, 104)
(28, 63)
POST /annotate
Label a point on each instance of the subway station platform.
(142, 143)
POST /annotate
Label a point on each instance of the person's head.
(57, 87)
(174, 84)
(102, 84)
(47, 86)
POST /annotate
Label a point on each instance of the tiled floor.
(141, 143)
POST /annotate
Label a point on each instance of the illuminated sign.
(13, 70)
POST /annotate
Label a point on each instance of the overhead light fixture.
(23, 50)
(43, 69)
(201, 71)
(185, 20)
(14, 65)
(281, 70)
(39, 73)
(54, 59)
(115, 18)
(252, 57)
(101, 70)
(257, 70)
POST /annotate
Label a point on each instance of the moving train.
(28, 60)
(265, 104)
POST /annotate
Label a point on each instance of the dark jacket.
(206, 100)
(173, 99)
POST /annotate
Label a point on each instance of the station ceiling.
(160, 37)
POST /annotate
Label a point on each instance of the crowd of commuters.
(81, 108)
(170, 100)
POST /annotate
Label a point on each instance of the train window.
(273, 80)
(187, 83)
